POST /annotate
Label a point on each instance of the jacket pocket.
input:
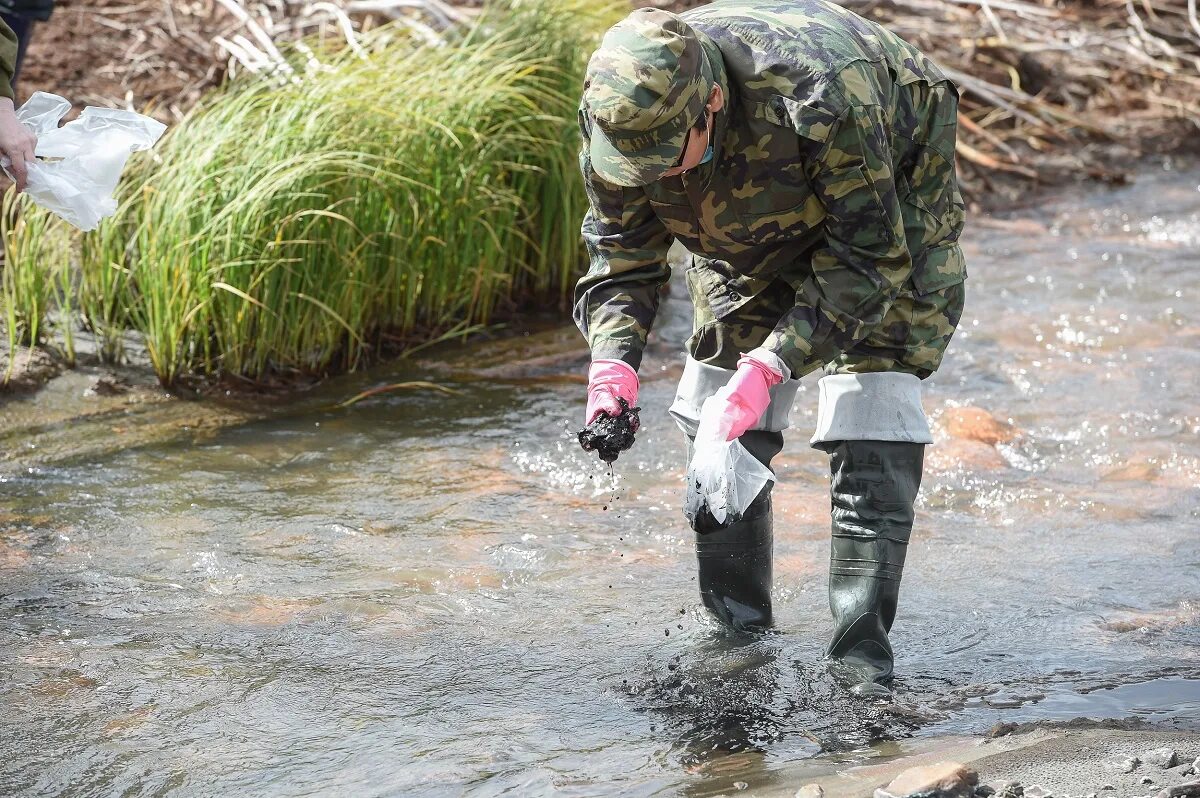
(719, 287)
(807, 121)
(938, 268)
(933, 207)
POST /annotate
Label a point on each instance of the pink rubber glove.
(746, 395)
(609, 380)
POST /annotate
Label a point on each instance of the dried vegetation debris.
(160, 56)
(1051, 88)
(157, 57)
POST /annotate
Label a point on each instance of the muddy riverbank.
(441, 593)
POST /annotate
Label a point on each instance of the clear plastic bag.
(88, 156)
(722, 476)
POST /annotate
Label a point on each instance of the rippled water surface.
(443, 594)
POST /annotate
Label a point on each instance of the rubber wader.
(875, 432)
(735, 568)
(735, 559)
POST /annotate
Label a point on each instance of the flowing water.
(440, 594)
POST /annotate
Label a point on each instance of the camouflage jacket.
(833, 171)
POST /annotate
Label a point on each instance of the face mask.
(708, 152)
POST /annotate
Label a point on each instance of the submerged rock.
(976, 424)
(609, 435)
(943, 780)
(1000, 730)
(1133, 471)
(965, 455)
(107, 385)
(810, 791)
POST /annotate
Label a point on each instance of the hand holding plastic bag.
(16, 142)
(723, 476)
(89, 154)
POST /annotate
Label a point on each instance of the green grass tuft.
(288, 228)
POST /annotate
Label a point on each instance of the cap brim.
(617, 168)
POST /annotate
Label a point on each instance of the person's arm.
(16, 142)
(865, 260)
(617, 300)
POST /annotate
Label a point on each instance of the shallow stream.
(439, 594)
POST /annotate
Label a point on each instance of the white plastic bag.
(722, 476)
(89, 155)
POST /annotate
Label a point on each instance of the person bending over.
(804, 156)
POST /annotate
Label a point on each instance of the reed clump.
(403, 189)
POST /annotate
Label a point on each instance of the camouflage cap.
(646, 86)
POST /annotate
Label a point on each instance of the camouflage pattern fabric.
(912, 338)
(645, 87)
(826, 226)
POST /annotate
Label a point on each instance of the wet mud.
(25, 370)
(610, 435)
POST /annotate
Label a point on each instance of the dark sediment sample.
(610, 435)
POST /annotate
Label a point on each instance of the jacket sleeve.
(8, 59)
(617, 300)
(864, 260)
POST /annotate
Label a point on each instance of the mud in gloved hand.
(611, 417)
(609, 435)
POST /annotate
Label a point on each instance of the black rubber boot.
(735, 566)
(735, 560)
(874, 485)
